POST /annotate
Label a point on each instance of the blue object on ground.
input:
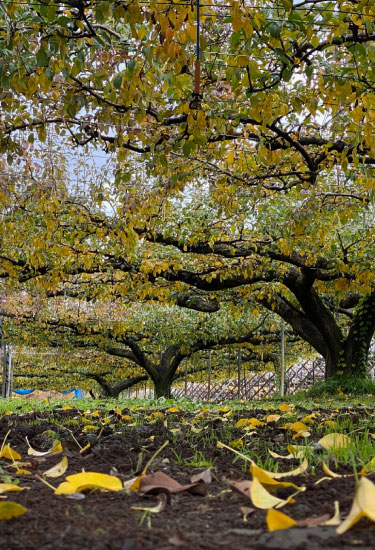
(23, 392)
(79, 394)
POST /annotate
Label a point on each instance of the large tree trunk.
(163, 387)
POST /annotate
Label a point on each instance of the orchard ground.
(125, 438)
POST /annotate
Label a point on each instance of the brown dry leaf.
(261, 498)
(9, 453)
(159, 482)
(246, 511)
(58, 469)
(10, 510)
(240, 487)
(77, 483)
(277, 520)
(204, 476)
(314, 521)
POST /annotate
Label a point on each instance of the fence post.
(209, 376)
(185, 390)
(239, 374)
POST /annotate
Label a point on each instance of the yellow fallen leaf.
(77, 483)
(9, 510)
(309, 419)
(58, 469)
(237, 444)
(295, 450)
(329, 472)
(33, 452)
(126, 417)
(9, 487)
(296, 427)
(118, 411)
(90, 428)
(335, 519)
(299, 454)
(335, 441)
(261, 498)
(278, 520)
(67, 408)
(95, 414)
(363, 505)
(248, 422)
(9, 453)
(272, 418)
(21, 471)
(285, 407)
(134, 484)
(295, 472)
(267, 481)
(301, 434)
(173, 410)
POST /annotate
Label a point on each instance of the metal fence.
(254, 385)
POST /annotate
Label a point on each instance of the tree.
(284, 132)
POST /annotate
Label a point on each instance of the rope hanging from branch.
(195, 103)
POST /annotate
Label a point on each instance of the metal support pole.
(239, 374)
(209, 376)
(282, 361)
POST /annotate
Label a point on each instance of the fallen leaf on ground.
(363, 505)
(162, 501)
(5, 487)
(314, 521)
(299, 454)
(240, 487)
(335, 441)
(88, 480)
(246, 511)
(269, 482)
(58, 469)
(9, 510)
(285, 407)
(57, 448)
(159, 482)
(9, 453)
(272, 418)
(280, 475)
(277, 520)
(296, 427)
(204, 476)
(248, 422)
(261, 498)
(330, 473)
(335, 519)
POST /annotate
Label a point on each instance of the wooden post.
(239, 374)
(209, 376)
(282, 361)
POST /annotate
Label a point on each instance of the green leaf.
(117, 81)
(41, 58)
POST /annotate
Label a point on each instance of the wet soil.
(121, 447)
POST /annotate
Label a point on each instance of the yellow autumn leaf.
(58, 469)
(8, 452)
(261, 498)
(9, 510)
(272, 418)
(368, 468)
(248, 422)
(363, 505)
(335, 441)
(329, 472)
(90, 428)
(298, 454)
(296, 427)
(285, 407)
(301, 434)
(33, 452)
(278, 520)
(77, 483)
(95, 414)
(21, 471)
(236, 444)
(9, 487)
(268, 481)
(173, 410)
(67, 408)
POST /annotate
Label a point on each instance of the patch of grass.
(343, 385)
